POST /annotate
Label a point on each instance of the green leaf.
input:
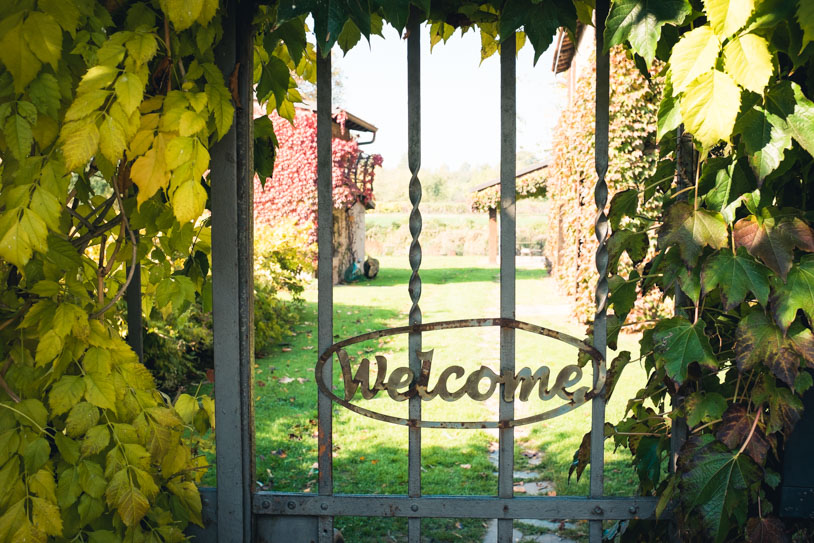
(678, 343)
(692, 230)
(96, 440)
(640, 22)
(18, 136)
(44, 93)
(82, 417)
(710, 107)
(623, 293)
(220, 104)
(64, 13)
(796, 294)
(714, 485)
(48, 348)
(12, 518)
(758, 340)
(92, 478)
(99, 391)
(736, 275)
(349, 37)
(43, 485)
(182, 13)
(129, 91)
(142, 46)
(46, 517)
(669, 114)
(86, 103)
(748, 60)
(801, 122)
(396, 12)
(624, 203)
(704, 407)
(36, 454)
(112, 139)
(67, 447)
(728, 16)
(44, 37)
(731, 184)
(805, 16)
(694, 54)
(766, 138)
(15, 53)
(36, 416)
(773, 242)
(132, 506)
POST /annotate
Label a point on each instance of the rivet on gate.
(597, 510)
(414, 508)
(324, 506)
(266, 504)
(291, 505)
(633, 509)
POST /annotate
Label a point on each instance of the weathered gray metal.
(325, 281)
(538, 507)
(508, 242)
(601, 229)
(232, 175)
(414, 286)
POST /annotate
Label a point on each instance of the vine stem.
(40, 428)
(752, 430)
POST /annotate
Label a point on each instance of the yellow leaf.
(142, 46)
(188, 201)
(86, 103)
(44, 37)
(45, 131)
(99, 391)
(141, 143)
(43, 485)
(48, 348)
(710, 106)
(46, 516)
(132, 506)
(129, 92)
(97, 78)
(46, 205)
(149, 172)
(748, 60)
(728, 16)
(14, 245)
(34, 230)
(694, 54)
(15, 53)
(112, 141)
(191, 123)
(80, 140)
(186, 406)
(182, 13)
(208, 10)
(179, 151)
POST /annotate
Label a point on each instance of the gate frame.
(234, 512)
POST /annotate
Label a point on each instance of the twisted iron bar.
(414, 163)
(414, 286)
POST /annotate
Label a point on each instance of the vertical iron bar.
(135, 321)
(508, 235)
(414, 286)
(600, 320)
(232, 274)
(325, 279)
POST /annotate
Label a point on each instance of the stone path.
(529, 483)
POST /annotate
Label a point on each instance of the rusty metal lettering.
(404, 383)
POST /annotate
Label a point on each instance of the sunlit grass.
(371, 456)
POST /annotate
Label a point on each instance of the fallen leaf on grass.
(302, 380)
(286, 380)
(466, 466)
(519, 489)
(260, 383)
(286, 349)
(307, 347)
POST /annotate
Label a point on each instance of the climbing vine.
(532, 185)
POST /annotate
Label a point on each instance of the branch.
(85, 238)
(133, 259)
(752, 431)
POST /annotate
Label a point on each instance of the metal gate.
(235, 512)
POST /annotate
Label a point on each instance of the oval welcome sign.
(402, 383)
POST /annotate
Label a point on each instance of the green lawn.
(370, 456)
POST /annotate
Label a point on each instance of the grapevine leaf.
(710, 107)
(182, 13)
(142, 46)
(731, 183)
(44, 93)
(43, 485)
(64, 13)
(669, 115)
(396, 12)
(766, 138)
(15, 53)
(748, 60)
(132, 506)
(112, 139)
(640, 22)
(44, 37)
(48, 348)
(678, 343)
(624, 203)
(14, 244)
(220, 104)
(36, 454)
(805, 16)
(47, 207)
(802, 340)
(11, 518)
(95, 440)
(34, 411)
(736, 275)
(692, 229)
(801, 122)
(765, 530)
(92, 479)
(623, 293)
(635, 243)
(66, 393)
(715, 483)
(19, 137)
(728, 16)
(693, 55)
(191, 123)
(68, 489)
(773, 242)
(759, 340)
(349, 37)
(208, 10)
(736, 424)
(796, 294)
(186, 406)
(704, 407)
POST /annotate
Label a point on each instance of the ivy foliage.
(734, 243)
